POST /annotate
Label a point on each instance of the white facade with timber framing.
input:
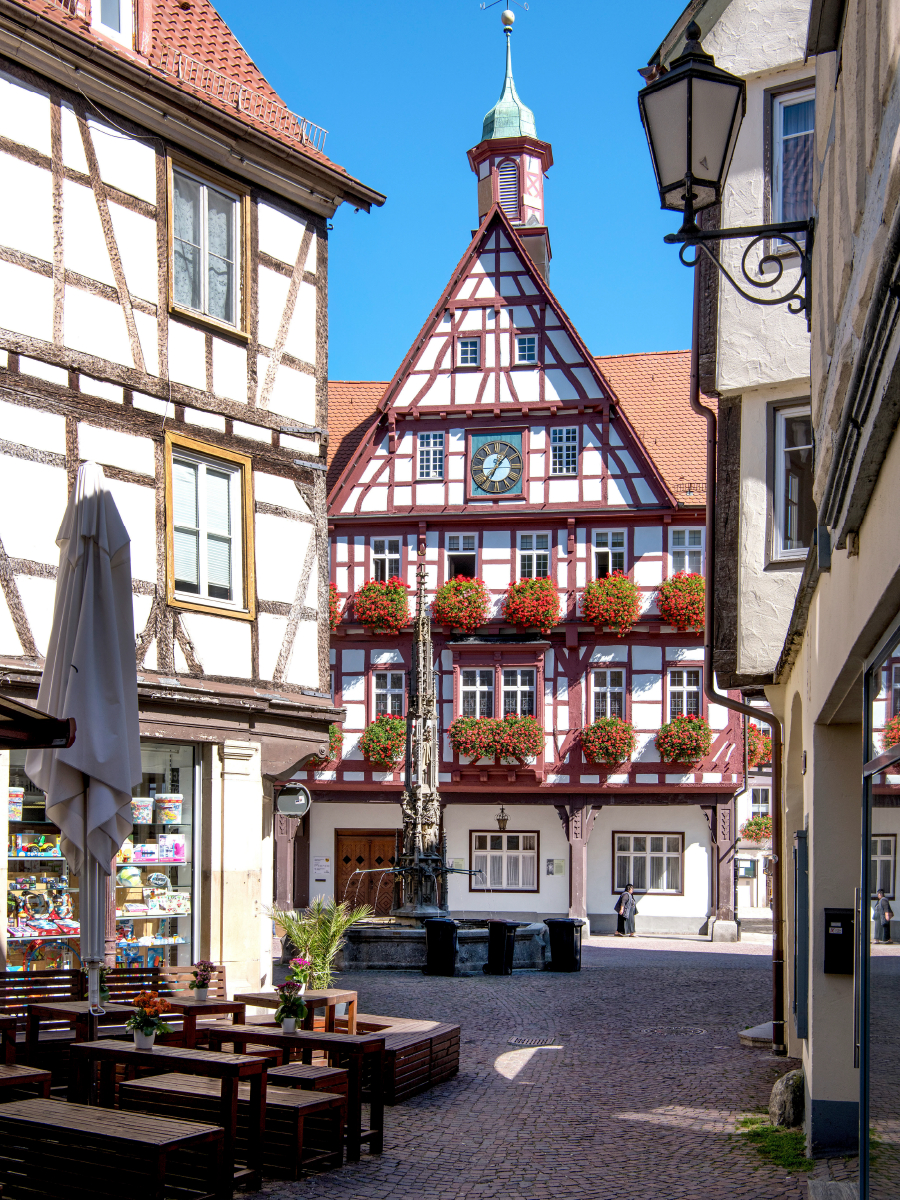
(606, 463)
(163, 311)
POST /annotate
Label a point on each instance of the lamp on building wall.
(502, 819)
(692, 115)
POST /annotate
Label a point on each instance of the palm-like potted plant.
(147, 1019)
(613, 601)
(202, 973)
(291, 1009)
(317, 933)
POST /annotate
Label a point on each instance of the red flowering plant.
(757, 829)
(532, 602)
(384, 742)
(335, 746)
(461, 603)
(334, 610)
(684, 739)
(759, 746)
(473, 737)
(609, 740)
(891, 733)
(614, 601)
(518, 737)
(681, 601)
(382, 604)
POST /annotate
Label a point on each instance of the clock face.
(496, 467)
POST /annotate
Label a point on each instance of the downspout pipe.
(779, 1045)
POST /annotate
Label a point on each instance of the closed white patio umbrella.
(90, 674)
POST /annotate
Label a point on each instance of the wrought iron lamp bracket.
(771, 266)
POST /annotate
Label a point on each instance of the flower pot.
(289, 1025)
(201, 993)
(143, 1041)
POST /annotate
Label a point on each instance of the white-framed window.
(461, 543)
(795, 512)
(206, 242)
(793, 152)
(526, 348)
(650, 862)
(883, 863)
(385, 558)
(686, 546)
(431, 456)
(389, 692)
(759, 799)
(684, 693)
(462, 558)
(564, 451)
(534, 555)
(518, 692)
(207, 529)
(477, 686)
(608, 693)
(504, 861)
(115, 18)
(508, 182)
(609, 552)
(468, 352)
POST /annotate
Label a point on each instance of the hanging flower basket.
(532, 602)
(614, 601)
(519, 737)
(384, 742)
(684, 740)
(473, 737)
(757, 829)
(461, 603)
(334, 608)
(609, 741)
(891, 733)
(335, 745)
(759, 746)
(382, 605)
(681, 601)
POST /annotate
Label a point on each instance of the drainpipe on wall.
(779, 1045)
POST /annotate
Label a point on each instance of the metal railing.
(235, 95)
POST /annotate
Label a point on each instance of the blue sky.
(402, 88)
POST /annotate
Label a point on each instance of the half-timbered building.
(163, 312)
(503, 449)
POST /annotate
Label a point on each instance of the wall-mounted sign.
(556, 866)
(293, 800)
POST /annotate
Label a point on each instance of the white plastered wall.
(324, 819)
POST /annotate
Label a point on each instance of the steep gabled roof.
(352, 410)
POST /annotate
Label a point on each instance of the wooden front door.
(363, 856)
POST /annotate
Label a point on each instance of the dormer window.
(115, 18)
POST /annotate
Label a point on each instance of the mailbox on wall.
(839, 941)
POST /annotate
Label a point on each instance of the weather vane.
(519, 4)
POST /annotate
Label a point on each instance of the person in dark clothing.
(625, 908)
(883, 917)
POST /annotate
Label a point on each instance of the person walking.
(625, 908)
(883, 917)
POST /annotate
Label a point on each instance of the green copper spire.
(509, 117)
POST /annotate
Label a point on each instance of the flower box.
(759, 746)
(334, 608)
(684, 740)
(613, 601)
(891, 733)
(513, 739)
(609, 741)
(335, 745)
(757, 829)
(384, 742)
(531, 603)
(381, 605)
(681, 601)
(461, 603)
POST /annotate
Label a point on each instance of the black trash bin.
(501, 947)
(565, 943)
(441, 946)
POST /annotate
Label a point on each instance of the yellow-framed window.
(209, 529)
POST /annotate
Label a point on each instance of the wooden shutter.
(509, 189)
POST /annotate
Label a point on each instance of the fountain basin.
(392, 944)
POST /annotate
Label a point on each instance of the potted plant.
(291, 1009)
(384, 741)
(202, 973)
(461, 603)
(684, 739)
(317, 933)
(382, 605)
(757, 829)
(473, 737)
(532, 602)
(759, 746)
(298, 971)
(518, 738)
(891, 734)
(613, 601)
(335, 746)
(681, 601)
(609, 741)
(334, 610)
(147, 1019)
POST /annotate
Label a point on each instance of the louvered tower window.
(509, 189)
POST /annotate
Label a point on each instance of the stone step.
(756, 924)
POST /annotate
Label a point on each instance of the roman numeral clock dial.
(496, 467)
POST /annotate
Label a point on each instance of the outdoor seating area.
(222, 1100)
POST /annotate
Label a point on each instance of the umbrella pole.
(93, 939)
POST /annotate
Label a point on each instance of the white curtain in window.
(220, 226)
(186, 248)
(218, 538)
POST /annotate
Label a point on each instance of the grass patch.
(785, 1148)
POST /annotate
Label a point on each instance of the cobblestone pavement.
(635, 1099)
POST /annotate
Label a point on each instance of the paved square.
(635, 1098)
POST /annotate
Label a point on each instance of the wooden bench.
(312, 1076)
(52, 1149)
(418, 1054)
(14, 1076)
(8, 1026)
(291, 1145)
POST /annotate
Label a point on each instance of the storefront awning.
(24, 728)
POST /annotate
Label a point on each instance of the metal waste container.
(565, 943)
(441, 946)
(501, 947)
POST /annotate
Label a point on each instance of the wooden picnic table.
(75, 1013)
(13, 1075)
(341, 1048)
(192, 1009)
(8, 1025)
(230, 1068)
(327, 998)
(75, 1151)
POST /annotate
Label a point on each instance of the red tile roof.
(654, 390)
(352, 409)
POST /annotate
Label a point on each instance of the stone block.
(786, 1101)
